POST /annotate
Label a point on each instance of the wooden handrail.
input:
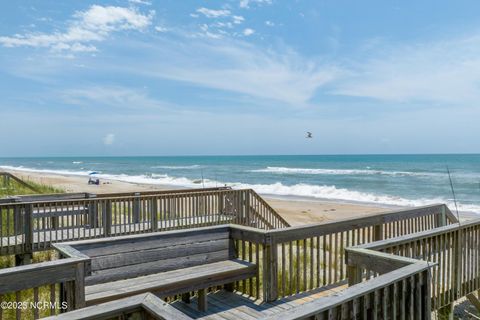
(18, 180)
(86, 195)
(146, 303)
(38, 274)
(69, 273)
(454, 248)
(283, 222)
(383, 244)
(323, 228)
(356, 301)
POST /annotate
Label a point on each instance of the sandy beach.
(296, 212)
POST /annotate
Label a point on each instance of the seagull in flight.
(309, 135)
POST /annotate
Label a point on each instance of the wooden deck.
(301, 272)
(230, 305)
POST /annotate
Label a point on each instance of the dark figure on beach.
(94, 181)
(309, 135)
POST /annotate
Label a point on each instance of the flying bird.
(309, 135)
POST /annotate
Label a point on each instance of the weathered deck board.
(230, 305)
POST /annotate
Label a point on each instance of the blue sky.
(149, 77)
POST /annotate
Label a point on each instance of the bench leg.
(186, 297)
(229, 287)
(202, 299)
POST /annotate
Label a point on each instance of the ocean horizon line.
(243, 155)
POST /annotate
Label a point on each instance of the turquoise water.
(381, 179)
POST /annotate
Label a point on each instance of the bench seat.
(172, 282)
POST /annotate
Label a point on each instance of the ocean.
(393, 180)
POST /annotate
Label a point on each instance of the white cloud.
(109, 139)
(238, 19)
(92, 25)
(161, 29)
(444, 71)
(144, 2)
(210, 13)
(75, 47)
(246, 3)
(111, 96)
(209, 34)
(248, 32)
(269, 23)
(222, 25)
(236, 66)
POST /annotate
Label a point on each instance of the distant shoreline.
(380, 181)
(296, 210)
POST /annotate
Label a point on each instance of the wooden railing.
(34, 226)
(299, 259)
(86, 195)
(143, 306)
(7, 176)
(381, 285)
(401, 292)
(455, 249)
(40, 289)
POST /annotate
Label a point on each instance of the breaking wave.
(285, 170)
(195, 166)
(320, 192)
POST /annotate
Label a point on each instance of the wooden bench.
(164, 263)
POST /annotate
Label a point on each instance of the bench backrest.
(134, 256)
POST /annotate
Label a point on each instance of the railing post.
(244, 208)
(247, 207)
(270, 270)
(427, 294)
(107, 217)
(354, 274)
(136, 207)
(234, 206)
(221, 203)
(80, 286)
(17, 220)
(154, 210)
(28, 227)
(67, 294)
(73, 292)
(443, 217)
(92, 211)
(378, 232)
(457, 267)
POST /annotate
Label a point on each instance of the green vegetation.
(10, 187)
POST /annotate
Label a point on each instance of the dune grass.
(8, 188)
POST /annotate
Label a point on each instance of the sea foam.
(195, 166)
(320, 171)
(319, 192)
